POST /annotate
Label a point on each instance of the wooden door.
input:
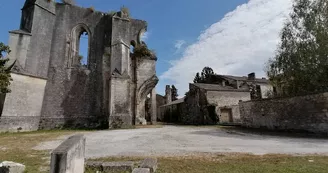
(226, 116)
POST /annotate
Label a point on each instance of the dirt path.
(176, 141)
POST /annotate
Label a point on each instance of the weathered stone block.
(69, 156)
(150, 163)
(94, 165)
(141, 170)
(112, 167)
(11, 167)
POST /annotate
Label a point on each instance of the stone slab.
(111, 167)
(141, 170)
(150, 163)
(11, 167)
(69, 156)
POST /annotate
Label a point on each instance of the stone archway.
(76, 33)
(145, 89)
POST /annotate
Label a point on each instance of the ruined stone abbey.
(52, 89)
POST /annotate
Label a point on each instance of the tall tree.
(301, 63)
(174, 93)
(197, 78)
(5, 77)
(206, 76)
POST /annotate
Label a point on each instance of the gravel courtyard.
(177, 140)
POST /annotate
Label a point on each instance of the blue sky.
(176, 29)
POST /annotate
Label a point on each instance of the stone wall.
(22, 107)
(160, 101)
(146, 81)
(227, 99)
(172, 113)
(303, 113)
(74, 94)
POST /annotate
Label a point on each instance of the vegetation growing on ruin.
(111, 13)
(301, 64)
(5, 76)
(92, 9)
(126, 11)
(142, 51)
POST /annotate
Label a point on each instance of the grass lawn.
(17, 147)
(238, 163)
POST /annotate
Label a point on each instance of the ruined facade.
(212, 104)
(52, 89)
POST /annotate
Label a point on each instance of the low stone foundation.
(73, 123)
(18, 124)
(149, 165)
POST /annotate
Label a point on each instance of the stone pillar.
(120, 109)
(168, 94)
(153, 106)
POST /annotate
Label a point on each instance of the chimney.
(168, 94)
(251, 76)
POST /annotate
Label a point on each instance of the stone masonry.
(51, 89)
(302, 113)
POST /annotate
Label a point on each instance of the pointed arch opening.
(80, 46)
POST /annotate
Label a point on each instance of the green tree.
(205, 77)
(301, 62)
(5, 77)
(174, 93)
(197, 78)
(206, 74)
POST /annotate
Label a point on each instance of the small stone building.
(261, 86)
(52, 88)
(214, 103)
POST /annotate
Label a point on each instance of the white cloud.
(145, 36)
(179, 43)
(240, 43)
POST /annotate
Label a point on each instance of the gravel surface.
(179, 141)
